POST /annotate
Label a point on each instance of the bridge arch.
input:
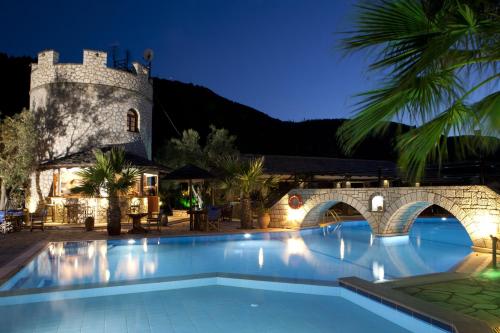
(317, 205)
(402, 213)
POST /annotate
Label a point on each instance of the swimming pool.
(318, 254)
(270, 282)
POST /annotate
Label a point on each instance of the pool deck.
(415, 307)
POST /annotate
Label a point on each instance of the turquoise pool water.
(205, 309)
(318, 254)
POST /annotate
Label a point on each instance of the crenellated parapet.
(93, 70)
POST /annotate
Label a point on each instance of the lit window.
(132, 121)
(377, 203)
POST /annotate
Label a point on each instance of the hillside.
(191, 106)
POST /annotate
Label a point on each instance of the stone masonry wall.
(476, 207)
(80, 106)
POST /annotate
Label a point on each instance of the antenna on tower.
(148, 57)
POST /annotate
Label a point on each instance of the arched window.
(132, 121)
(377, 203)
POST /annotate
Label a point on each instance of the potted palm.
(110, 176)
(245, 179)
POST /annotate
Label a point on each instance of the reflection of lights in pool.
(107, 275)
(91, 251)
(247, 235)
(443, 219)
(145, 245)
(394, 240)
(253, 305)
(378, 271)
(371, 239)
(295, 246)
(261, 257)
(342, 247)
(131, 241)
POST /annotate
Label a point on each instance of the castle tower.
(82, 106)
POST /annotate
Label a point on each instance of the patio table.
(137, 228)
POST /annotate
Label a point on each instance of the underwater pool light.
(247, 235)
(131, 241)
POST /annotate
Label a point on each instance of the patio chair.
(214, 217)
(154, 218)
(38, 219)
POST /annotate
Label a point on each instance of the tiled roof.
(326, 166)
(86, 158)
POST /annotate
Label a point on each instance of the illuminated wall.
(476, 207)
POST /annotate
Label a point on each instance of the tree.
(436, 57)
(187, 149)
(110, 176)
(244, 179)
(219, 143)
(18, 157)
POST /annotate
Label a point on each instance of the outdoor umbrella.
(190, 173)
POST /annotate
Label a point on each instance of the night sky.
(281, 57)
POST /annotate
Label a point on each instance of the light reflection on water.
(351, 250)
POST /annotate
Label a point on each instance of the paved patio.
(476, 296)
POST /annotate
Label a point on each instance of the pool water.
(322, 254)
(202, 309)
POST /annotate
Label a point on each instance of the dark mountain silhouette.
(14, 83)
(191, 106)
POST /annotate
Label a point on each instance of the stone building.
(81, 107)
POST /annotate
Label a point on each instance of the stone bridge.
(392, 211)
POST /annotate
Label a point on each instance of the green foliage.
(219, 143)
(434, 57)
(187, 149)
(111, 174)
(245, 178)
(18, 146)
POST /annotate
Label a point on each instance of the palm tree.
(438, 60)
(244, 179)
(110, 176)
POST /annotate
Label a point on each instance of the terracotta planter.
(264, 220)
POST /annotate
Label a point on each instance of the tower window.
(132, 121)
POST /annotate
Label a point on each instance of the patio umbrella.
(190, 173)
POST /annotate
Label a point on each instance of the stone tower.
(82, 106)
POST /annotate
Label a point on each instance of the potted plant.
(264, 218)
(89, 223)
(245, 179)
